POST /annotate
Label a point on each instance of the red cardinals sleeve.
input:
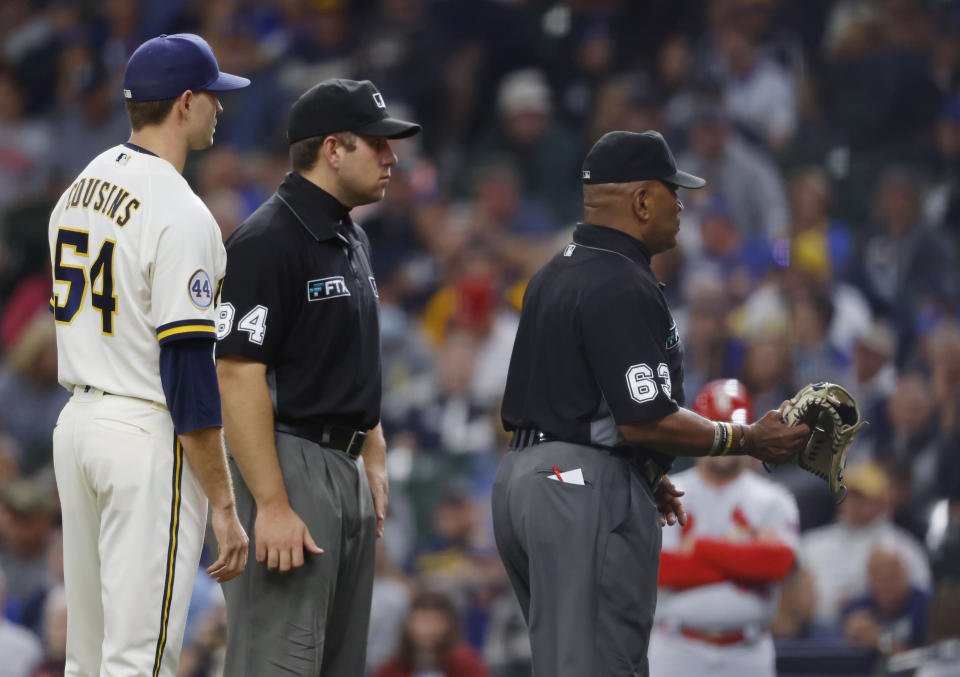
(681, 572)
(754, 562)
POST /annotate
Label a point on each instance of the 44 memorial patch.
(200, 290)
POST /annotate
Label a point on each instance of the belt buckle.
(355, 445)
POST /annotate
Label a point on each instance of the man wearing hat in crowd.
(299, 367)
(595, 399)
(138, 448)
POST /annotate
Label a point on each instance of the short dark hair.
(145, 113)
(304, 153)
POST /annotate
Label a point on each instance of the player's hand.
(773, 441)
(232, 545)
(380, 487)
(667, 497)
(281, 537)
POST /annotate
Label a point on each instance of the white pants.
(133, 524)
(673, 655)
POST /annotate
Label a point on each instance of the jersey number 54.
(66, 307)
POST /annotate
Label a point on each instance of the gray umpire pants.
(311, 621)
(583, 560)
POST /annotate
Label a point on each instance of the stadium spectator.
(26, 527)
(906, 267)
(450, 419)
(546, 153)
(20, 649)
(31, 611)
(794, 623)
(90, 117)
(30, 397)
(25, 145)
(837, 554)
(430, 643)
(892, 616)
(908, 435)
(874, 375)
(506, 647)
(747, 179)
(388, 609)
(759, 94)
(54, 635)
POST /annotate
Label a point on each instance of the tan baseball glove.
(834, 417)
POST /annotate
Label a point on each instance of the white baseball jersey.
(137, 261)
(735, 512)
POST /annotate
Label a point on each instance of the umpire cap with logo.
(340, 105)
(166, 66)
(623, 157)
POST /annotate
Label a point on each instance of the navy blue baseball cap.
(166, 66)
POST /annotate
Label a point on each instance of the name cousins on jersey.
(111, 204)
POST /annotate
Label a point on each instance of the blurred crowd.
(824, 247)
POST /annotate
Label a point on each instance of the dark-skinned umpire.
(594, 398)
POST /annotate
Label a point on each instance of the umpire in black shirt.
(299, 366)
(595, 399)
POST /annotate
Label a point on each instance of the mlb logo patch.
(568, 250)
(378, 99)
(586, 173)
(127, 94)
(327, 288)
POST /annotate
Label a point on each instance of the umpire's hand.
(773, 441)
(232, 545)
(281, 537)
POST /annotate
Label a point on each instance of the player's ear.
(184, 103)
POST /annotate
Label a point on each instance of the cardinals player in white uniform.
(719, 575)
(136, 260)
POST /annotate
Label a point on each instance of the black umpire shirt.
(596, 347)
(300, 296)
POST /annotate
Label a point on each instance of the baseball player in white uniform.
(719, 576)
(137, 259)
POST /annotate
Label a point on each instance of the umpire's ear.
(330, 150)
(639, 203)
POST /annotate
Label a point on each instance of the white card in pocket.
(574, 476)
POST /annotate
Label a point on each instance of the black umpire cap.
(340, 105)
(624, 157)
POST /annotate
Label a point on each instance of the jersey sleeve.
(781, 516)
(256, 301)
(624, 336)
(187, 266)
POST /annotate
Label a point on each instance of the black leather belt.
(347, 440)
(652, 471)
(527, 437)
